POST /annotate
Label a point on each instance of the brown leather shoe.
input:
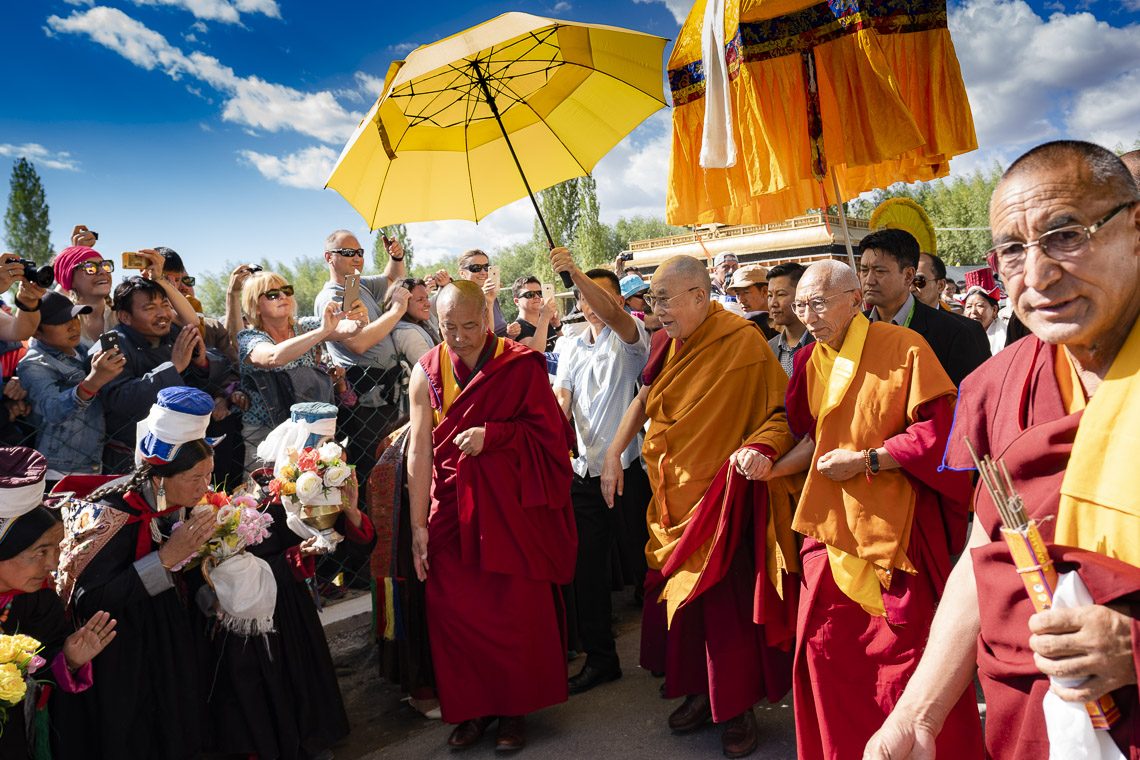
(693, 713)
(741, 736)
(511, 735)
(468, 733)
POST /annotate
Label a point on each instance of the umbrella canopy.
(827, 99)
(435, 145)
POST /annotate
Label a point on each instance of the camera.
(43, 276)
(255, 268)
(627, 256)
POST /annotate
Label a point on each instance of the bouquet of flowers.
(19, 659)
(313, 476)
(238, 524)
(311, 487)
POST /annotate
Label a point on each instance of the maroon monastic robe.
(1011, 408)
(501, 537)
(851, 667)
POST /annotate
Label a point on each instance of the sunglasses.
(94, 267)
(348, 253)
(284, 290)
(531, 294)
(187, 280)
(478, 268)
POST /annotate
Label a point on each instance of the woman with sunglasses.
(278, 341)
(85, 277)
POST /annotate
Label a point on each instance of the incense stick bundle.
(1031, 558)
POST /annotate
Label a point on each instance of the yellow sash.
(1100, 506)
(854, 576)
(451, 389)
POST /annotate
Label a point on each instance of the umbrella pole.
(485, 87)
(843, 220)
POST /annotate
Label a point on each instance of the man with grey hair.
(873, 407)
(714, 397)
(369, 357)
(1059, 409)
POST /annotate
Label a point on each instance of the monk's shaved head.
(462, 293)
(683, 272)
(830, 275)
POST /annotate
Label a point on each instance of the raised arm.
(270, 355)
(381, 327)
(608, 309)
(419, 468)
(396, 269)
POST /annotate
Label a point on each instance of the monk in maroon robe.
(490, 447)
(1066, 227)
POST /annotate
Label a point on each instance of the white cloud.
(1031, 79)
(40, 156)
(402, 48)
(200, 27)
(679, 8)
(250, 102)
(307, 169)
(561, 6)
(225, 11)
(435, 241)
(633, 176)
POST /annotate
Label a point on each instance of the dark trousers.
(599, 531)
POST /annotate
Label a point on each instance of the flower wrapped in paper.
(19, 660)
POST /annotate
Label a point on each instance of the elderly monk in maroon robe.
(490, 447)
(720, 543)
(1061, 409)
(880, 522)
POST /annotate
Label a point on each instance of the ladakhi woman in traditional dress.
(29, 552)
(121, 544)
(305, 664)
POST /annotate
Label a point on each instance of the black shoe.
(589, 677)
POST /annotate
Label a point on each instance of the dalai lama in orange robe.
(1060, 409)
(720, 543)
(490, 449)
(880, 521)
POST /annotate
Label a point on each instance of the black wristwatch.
(395, 258)
(21, 307)
(873, 455)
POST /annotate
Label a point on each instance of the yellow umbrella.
(475, 121)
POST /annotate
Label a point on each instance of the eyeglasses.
(818, 305)
(920, 281)
(477, 268)
(531, 294)
(664, 304)
(284, 290)
(187, 280)
(1062, 244)
(94, 267)
(348, 253)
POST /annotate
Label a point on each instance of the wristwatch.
(873, 456)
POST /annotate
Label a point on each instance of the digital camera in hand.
(43, 276)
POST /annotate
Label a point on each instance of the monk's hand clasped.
(1094, 643)
(751, 463)
(470, 441)
(841, 464)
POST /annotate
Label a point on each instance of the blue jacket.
(70, 430)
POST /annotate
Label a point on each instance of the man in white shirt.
(597, 380)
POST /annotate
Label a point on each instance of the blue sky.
(209, 125)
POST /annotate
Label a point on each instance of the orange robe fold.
(501, 535)
(710, 542)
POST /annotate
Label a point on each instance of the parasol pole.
(843, 220)
(481, 78)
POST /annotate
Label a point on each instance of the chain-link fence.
(97, 438)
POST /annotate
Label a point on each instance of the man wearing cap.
(887, 265)
(794, 335)
(724, 265)
(633, 290)
(595, 384)
(29, 554)
(63, 385)
(750, 286)
(719, 542)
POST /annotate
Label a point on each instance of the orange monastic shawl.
(722, 389)
(890, 372)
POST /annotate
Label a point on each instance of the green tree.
(642, 228)
(307, 276)
(593, 243)
(394, 232)
(26, 220)
(561, 207)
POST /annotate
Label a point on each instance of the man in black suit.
(888, 262)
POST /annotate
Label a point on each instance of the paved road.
(625, 718)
